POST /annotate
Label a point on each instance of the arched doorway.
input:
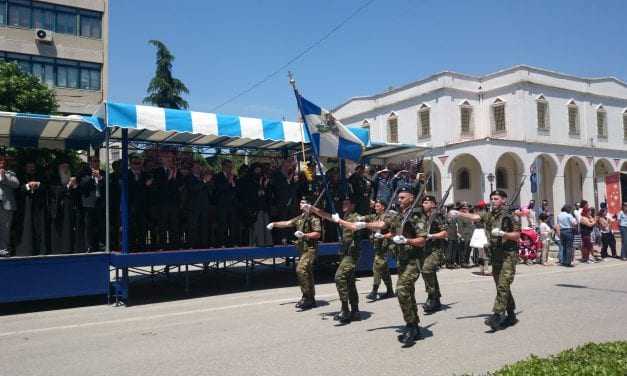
(508, 172)
(602, 168)
(546, 169)
(467, 178)
(574, 175)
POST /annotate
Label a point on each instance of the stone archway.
(467, 178)
(546, 169)
(508, 172)
(575, 173)
(435, 186)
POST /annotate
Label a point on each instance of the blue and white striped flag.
(329, 137)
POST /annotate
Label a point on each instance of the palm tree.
(165, 90)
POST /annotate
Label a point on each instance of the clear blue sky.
(222, 47)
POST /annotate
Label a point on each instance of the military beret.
(429, 198)
(406, 189)
(499, 192)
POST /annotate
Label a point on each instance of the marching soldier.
(350, 249)
(411, 240)
(381, 244)
(504, 231)
(308, 230)
(433, 253)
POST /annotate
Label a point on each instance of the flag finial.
(292, 80)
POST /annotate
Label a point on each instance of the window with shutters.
(542, 108)
(601, 122)
(393, 129)
(498, 116)
(466, 119)
(463, 179)
(501, 178)
(573, 119)
(424, 122)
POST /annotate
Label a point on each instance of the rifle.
(316, 202)
(510, 205)
(410, 210)
(439, 208)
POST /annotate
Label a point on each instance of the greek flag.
(329, 137)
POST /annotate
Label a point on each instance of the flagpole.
(314, 148)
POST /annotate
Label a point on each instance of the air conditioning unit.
(43, 35)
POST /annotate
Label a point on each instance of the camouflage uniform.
(307, 254)
(503, 256)
(408, 264)
(349, 254)
(380, 268)
(432, 256)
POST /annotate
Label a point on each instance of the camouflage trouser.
(380, 270)
(408, 273)
(345, 280)
(429, 263)
(305, 274)
(503, 271)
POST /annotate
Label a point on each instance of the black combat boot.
(434, 306)
(300, 303)
(355, 314)
(511, 319)
(308, 303)
(498, 321)
(344, 316)
(373, 294)
(411, 335)
(388, 294)
(427, 306)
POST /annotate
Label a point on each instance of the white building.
(504, 124)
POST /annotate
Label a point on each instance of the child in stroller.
(529, 246)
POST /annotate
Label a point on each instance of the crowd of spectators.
(178, 201)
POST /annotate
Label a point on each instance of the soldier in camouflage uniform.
(432, 254)
(503, 230)
(308, 230)
(350, 248)
(381, 245)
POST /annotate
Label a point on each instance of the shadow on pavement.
(589, 288)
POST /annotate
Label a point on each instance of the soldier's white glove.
(430, 236)
(378, 235)
(360, 225)
(453, 213)
(270, 226)
(399, 239)
(335, 217)
(299, 234)
(497, 232)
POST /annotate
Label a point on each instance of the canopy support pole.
(107, 195)
(124, 192)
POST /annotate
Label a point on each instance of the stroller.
(529, 245)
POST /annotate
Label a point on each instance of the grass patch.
(590, 359)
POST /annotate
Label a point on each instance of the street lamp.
(491, 180)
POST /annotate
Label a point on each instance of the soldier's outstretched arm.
(470, 216)
(314, 235)
(439, 235)
(280, 224)
(513, 236)
(317, 211)
(417, 242)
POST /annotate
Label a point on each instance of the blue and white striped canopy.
(162, 125)
(152, 124)
(48, 131)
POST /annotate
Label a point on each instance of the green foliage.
(165, 90)
(21, 92)
(590, 359)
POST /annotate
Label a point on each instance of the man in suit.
(92, 187)
(137, 193)
(8, 184)
(228, 223)
(33, 207)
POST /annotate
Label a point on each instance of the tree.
(21, 92)
(165, 90)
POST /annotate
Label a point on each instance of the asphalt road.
(260, 333)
